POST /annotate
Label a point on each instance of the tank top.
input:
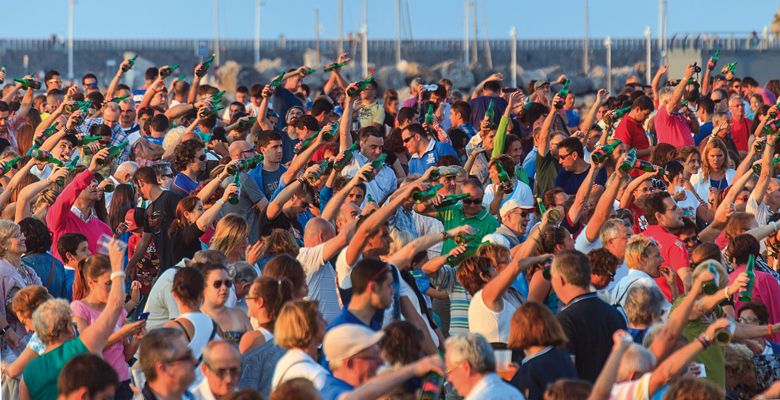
(205, 330)
(494, 326)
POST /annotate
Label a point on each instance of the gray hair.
(644, 304)
(611, 229)
(51, 319)
(209, 256)
(735, 97)
(636, 359)
(243, 272)
(474, 349)
(8, 229)
(158, 345)
(665, 93)
(208, 351)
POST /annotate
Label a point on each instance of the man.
(631, 129)
(491, 91)
(572, 116)
(372, 141)
(322, 111)
(671, 126)
(159, 214)
(150, 75)
(251, 200)
(704, 111)
(123, 175)
(575, 168)
(471, 367)
(514, 220)
(371, 112)
(127, 122)
(167, 363)
(110, 118)
(268, 175)
(751, 86)
(87, 377)
(740, 125)
(53, 80)
(372, 291)
(322, 244)
(89, 83)
(284, 97)
(10, 126)
(542, 163)
(587, 321)
(353, 354)
(221, 367)
(460, 115)
(424, 151)
(664, 216)
(291, 202)
(189, 158)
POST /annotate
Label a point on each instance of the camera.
(696, 68)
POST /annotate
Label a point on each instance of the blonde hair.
(399, 239)
(636, 250)
(711, 144)
(51, 319)
(8, 230)
(297, 324)
(172, 139)
(230, 233)
(723, 275)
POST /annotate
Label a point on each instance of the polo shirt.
(632, 134)
(346, 317)
(672, 128)
(673, 251)
(430, 158)
(589, 323)
(453, 217)
(480, 104)
(383, 184)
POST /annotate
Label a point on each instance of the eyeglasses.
(737, 105)
(563, 156)
(218, 284)
(168, 176)
(184, 357)
(716, 101)
(472, 201)
(451, 370)
(222, 372)
(90, 85)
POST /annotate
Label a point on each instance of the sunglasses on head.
(227, 282)
(472, 201)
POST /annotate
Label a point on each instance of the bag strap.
(211, 337)
(51, 272)
(617, 303)
(189, 339)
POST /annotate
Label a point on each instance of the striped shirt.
(459, 299)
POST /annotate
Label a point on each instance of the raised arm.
(332, 208)
(299, 160)
(157, 86)
(667, 336)
(275, 206)
(193, 94)
(583, 192)
(500, 138)
(493, 291)
(115, 80)
(604, 206)
(345, 124)
(628, 194)
(383, 383)
(404, 256)
(31, 191)
(674, 102)
(544, 145)
(211, 214)
(590, 117)
(746, 164)
(602, 388)
(262, 111)
(766, 171)
(96, 335)
(654, 85)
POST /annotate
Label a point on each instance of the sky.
(430, 19)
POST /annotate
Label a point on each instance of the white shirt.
(41, 173)
(297, 364)
(321, 279)
(203, 391)
(491, 387)
(426, 225)
(702, 184)
(383, 184)
(634, 278)
(493, 325)
(632, 390)
(522, 194)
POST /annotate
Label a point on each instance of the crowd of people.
(163, 242)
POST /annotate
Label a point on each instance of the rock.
(581, 84)
(415, 69)
(311, 58)
(266, 66)
(460, 75)
(228, 76)
(390, 77)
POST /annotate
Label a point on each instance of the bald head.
(348, 212)
(238, 148)
(316, 232)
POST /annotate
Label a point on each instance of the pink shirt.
(672, 129)
(766, 291)
(115, 354)
(673, 251)
(61, 219)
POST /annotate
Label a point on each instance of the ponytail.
(275, 293)
(89, 268)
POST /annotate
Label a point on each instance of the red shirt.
(672, 128)
(632, 134)
(673, 251)
(740, 132)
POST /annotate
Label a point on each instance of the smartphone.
(508, 90)
(144, 315)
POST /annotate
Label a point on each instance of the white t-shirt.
(321, 279)
(297, 364)
(494, 326)
(343, 270)
(632, 390)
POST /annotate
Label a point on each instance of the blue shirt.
(480, 104)
(184, 183)
(51, 272)
(470, 131)
(574, 118)
(346, 317)
(271, 189)
(430, 158)
(70, 275)
(571, 182)
(334, 388)
(705, 130)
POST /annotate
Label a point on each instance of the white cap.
(496, 238)
(344, 341)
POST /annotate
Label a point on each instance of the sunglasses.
(407, 139)
(472, 201)
(223, 372)
(169, 176)
(227, 282)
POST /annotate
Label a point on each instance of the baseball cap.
(344, 341)
(130, 221)
(539, 84)
(497, 238)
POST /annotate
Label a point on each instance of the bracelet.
(726, 292)
(705, 341)
(118, 274)
(444, 235)
(770, 330)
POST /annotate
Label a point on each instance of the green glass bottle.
(429, 116)
(131, 60)
(730, 67)
(245, 165)
(214, 110)
(546, 269)
(108, 187)
(217, 97)
(434, 175)
(113, 153)
(452, 199)
(167, 71)
(71, 165)
(206, 65)
(245, 124)
(504, 179)
(325, 167)
(646, 166)
(629, 162)
(120, 99)
(233, 197)
(555, 215)
(361, 86)
(424, 195)
(334, 66)
(771, 127)
(432, 386)
(612, 117)
(277, 81)
(757, 168)
(601, 153)
(348, 154)
(308, 71)
(90, 139)
(747, 294)
(301, 146)
(28, 83)
(711, 286)
(490, 113)
(45, 156)
(723, 336)
(38, 142)
(10, 164)
(562, 94)
(329, 134)
(714, 63)
(377, 166)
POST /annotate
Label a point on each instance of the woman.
(390, 104)
(491, 309)
(265, 300)
(231, 237)
(714, 171)
(122, 200)
(24, 303)
(644, 306)
(53, 322)
(93, 275)
(192, 221)
(285, 266)
(299, 329)
(232, 321)
(690, 158)
(278, 242)
(49, 269)
(756, 313)
(554, 239)
(676, 186)
(535, 330)
(13, 276)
